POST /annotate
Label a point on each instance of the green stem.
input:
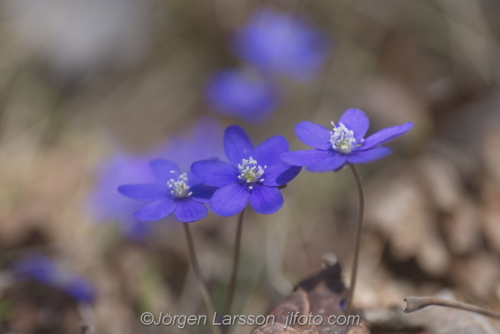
(199, 276)
(236, 259)
(359, 234)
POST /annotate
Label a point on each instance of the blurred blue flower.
(253, 175)
(281, 43)
(241, 93)
(343, 145)
(179, 193)
(106, 204)
(39, 268)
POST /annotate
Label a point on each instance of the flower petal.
(164, 170)
(314, 135)
(266, 200)
(304, 158)
(215, 173)
(144, 192)
(280, 174)
(361, 157)
(333, 163)
(355, 120)
(268, 152)
(188, 211)
(202, 193)
(229, 200)
(385, 135)
(237, 145)
(156, 210)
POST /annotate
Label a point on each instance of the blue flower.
(344, 144)
(241, 93)
(106, 204)
(281, 43)
(253, 175)
(40, 268)
(180, 193)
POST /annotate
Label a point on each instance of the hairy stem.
(359, 234)
(236, 259)
(199, 276)
(416, 303)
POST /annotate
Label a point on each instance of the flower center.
(342, 139)
(251, 172)
(179, 187)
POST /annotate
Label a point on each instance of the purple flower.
(253, 175)
(281, 43)
(241, 93)
(106, 204)
(40, 268)
(343, 145)
(180, 193)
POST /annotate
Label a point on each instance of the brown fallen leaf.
(318, 297)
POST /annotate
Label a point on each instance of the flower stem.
(199, 276)
(416, 303)
(359, 234)
(236, 259)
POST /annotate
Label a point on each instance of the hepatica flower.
(106, 204)
(179, 193)
(39, 268)
(252, 175)
(343, 144)
(281, 43)
(241, 93)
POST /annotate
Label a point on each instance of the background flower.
(40, 268)
(281, 43)
(344, 144)
(244, 94)
(253, 174)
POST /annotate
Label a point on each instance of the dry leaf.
(319, 296)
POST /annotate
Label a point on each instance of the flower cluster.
(252, 175)
(270, 43)
(256, 175)
(41, 269)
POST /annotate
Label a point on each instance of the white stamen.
(342, 139)
(251, 172)
(179, 187)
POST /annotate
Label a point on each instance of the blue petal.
(268, 152)
(144, 192)
(266, 200)
(215, 173)
(202, 193)
(229, 200)
(334, 163)
(361, 157)
(81, 290)
(156, 210)
(164, 170)
(280, 174)
(355, 120)
(304, 158)
(188, 211)
(237, 145)
(385, 135)
(314, 135)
